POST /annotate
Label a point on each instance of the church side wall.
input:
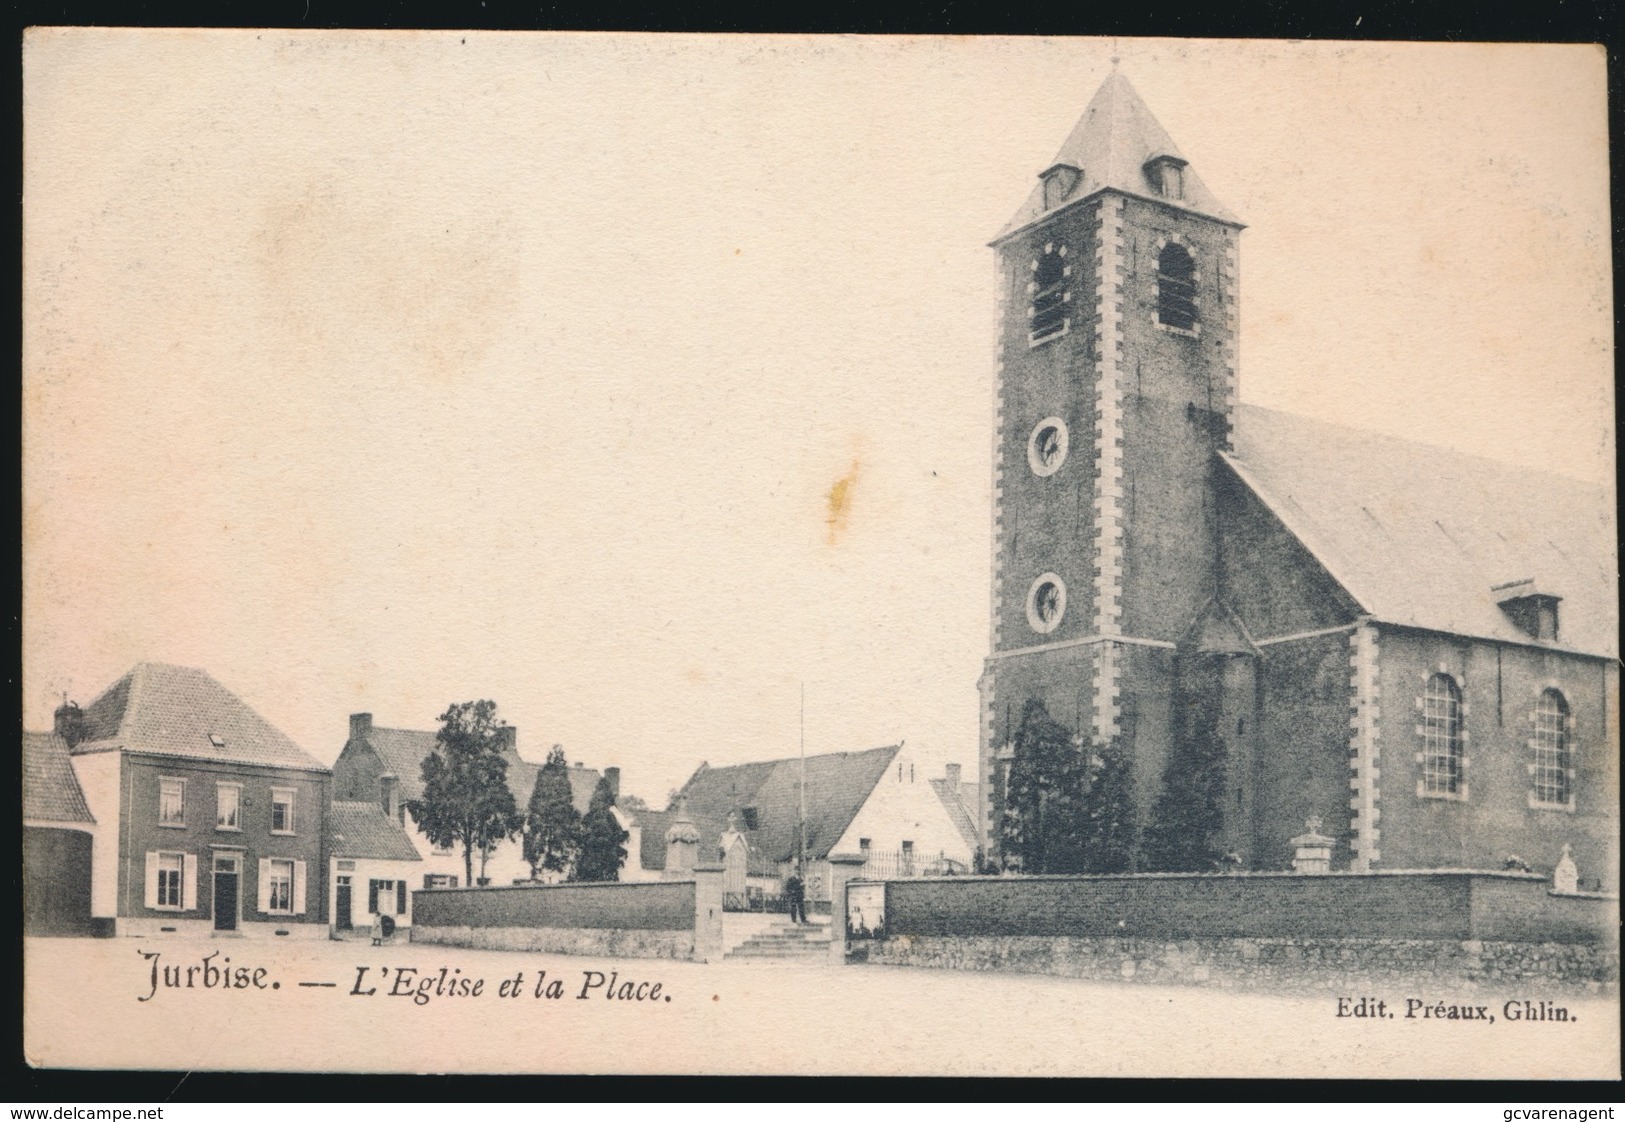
(1494, 820)
(1302, 767)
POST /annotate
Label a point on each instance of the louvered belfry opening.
(1176, 287)
(1049, 295)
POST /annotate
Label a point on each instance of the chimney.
(953, 778)
(508, 739)
(70, 723)
(389, 788)
(360, 725)
(612, 776)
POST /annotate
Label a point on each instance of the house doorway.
(341, 904)
(226, 874)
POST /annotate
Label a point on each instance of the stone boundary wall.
(632, 906)
(652, 919)
(1443, 905)
(600, 941)
(1343, 966)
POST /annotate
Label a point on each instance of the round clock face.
(1046, 447)
(1046, 603)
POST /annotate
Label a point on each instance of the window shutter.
(265, 884)
(298, 888)
(152, 880)
(189, 882)
(372, 897)
(400, 897)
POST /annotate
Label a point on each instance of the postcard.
(581, 553)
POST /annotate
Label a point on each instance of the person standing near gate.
(795, 895)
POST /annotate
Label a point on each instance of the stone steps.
(786, 942)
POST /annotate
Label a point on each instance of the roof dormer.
(1530, 606)
(1166, 175)
(1060, 181)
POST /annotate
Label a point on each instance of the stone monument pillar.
(843, 867)
(682, 845)
(1566, 878)
(1314, 849)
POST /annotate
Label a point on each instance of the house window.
(172, 802)
(228, 801)
(748, 813)
(439, 880)
(863, 846)
(1441, 737)
(388, 897)
(282, 810)
(1049, 294)
(171, 868)
(279, 893)
(1176, 287)
(1552, 758)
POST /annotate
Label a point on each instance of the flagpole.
(802, 853)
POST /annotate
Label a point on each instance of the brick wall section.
(1446, 905)
(654, 906)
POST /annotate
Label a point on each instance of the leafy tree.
(552, 823)
(1044, 822)
(1187, 822)
(603, 842)
(466, 801)
(631, 803)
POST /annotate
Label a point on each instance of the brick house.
(1415, 646)
(385, 766)
(207, 819)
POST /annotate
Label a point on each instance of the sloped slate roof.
(1110, 144)
(178, 711)
(364, 830)
(1418, 535)
(838, 784)
(51, 791)
(959, 804)
(403, 750)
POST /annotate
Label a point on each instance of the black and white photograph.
(818, 555)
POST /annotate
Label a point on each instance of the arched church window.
(1049, 294)
(1552, 754)
(1442, 749)
(1176, 287)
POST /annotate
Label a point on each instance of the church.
(1411, 649)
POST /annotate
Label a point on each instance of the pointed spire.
(1117, 145)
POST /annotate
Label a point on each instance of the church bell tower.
(1115, 387)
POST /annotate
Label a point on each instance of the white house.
(375, 867)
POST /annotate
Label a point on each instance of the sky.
(374, 372)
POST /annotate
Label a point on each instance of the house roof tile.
(178, 711)
(364, 830)
(51, 791)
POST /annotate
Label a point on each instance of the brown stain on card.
(839, 503)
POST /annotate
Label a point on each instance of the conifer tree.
(603, 842)
(552, 823)
(1110, 829)
(1044, 820)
